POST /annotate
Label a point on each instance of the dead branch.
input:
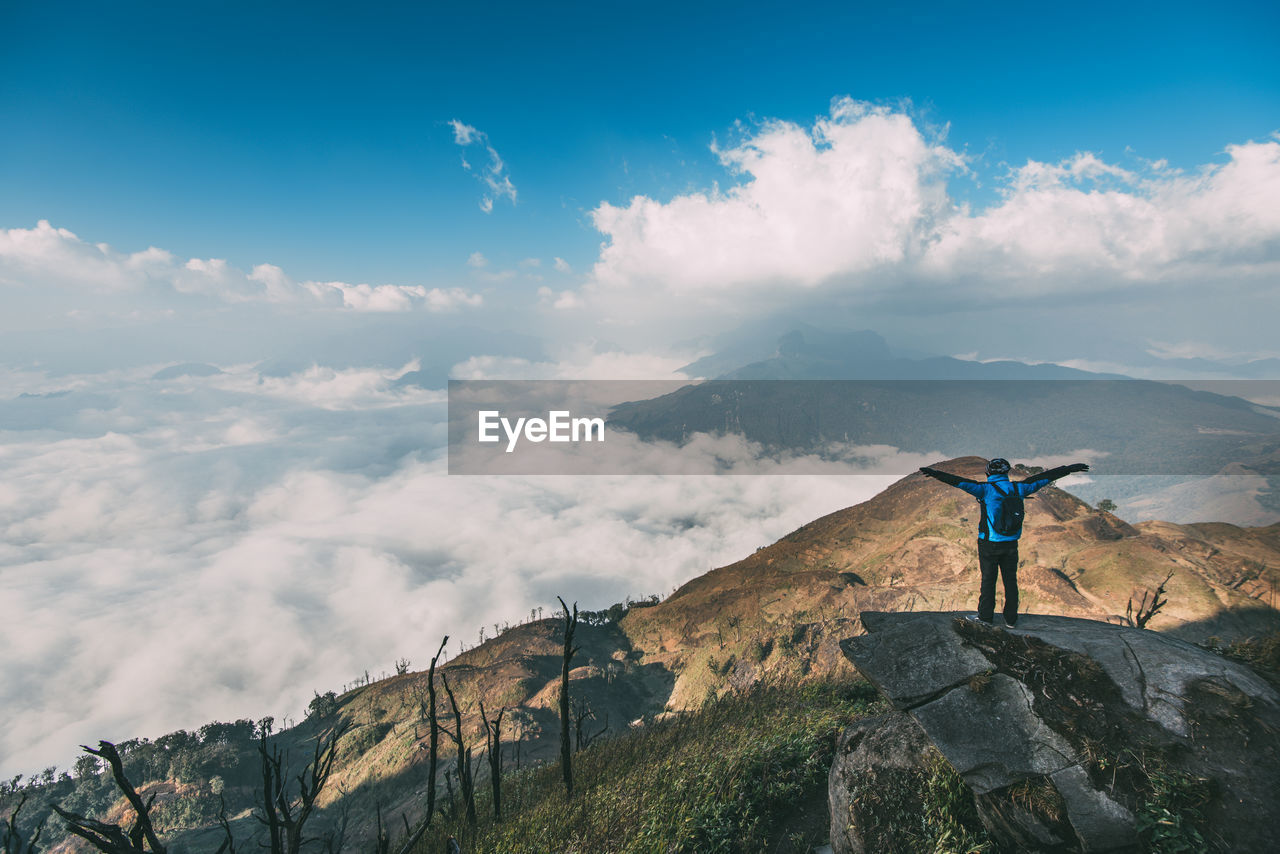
(228, 845)
(465, 778)
(110, 837)
(1147, 609)
(13, 841)
(427, 708)
(570, 625)
(493, 744)
(285, 816)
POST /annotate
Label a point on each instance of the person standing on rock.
(999, 528)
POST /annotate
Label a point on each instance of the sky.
(322, 202)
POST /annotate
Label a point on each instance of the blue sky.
(317, 139)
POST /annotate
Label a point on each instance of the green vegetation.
(194, 775)
(951, 818)
(190, 759)
(926, 810)
(747, 772)
(1169, 816)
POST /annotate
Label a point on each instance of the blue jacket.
(991, 493)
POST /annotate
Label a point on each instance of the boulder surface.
(1073, 735)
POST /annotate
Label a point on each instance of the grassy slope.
(747, 772)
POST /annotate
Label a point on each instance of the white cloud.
(1057, 229)
(482, 269)
(493, 174)
(857, 204)
(579, 362)
(560, 300)
(562, 266)
(1185, 350)
(299, 530)
(45, 257)
(404, 298)
(463, 134)
(1084, 166)
(850, 194)
(1205, 350)
(323, 388)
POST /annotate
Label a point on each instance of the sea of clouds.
(209, 547)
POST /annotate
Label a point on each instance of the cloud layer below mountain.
(225, 545)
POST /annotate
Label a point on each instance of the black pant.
(1002, 558)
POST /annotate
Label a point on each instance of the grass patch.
(1170, 815)
(1262, 655)
(951, 818)
(745, 773)
(927, 810)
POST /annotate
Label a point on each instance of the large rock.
(1067, 731)
(885, 755)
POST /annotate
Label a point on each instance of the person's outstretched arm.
(970, 486)
(1045, 478)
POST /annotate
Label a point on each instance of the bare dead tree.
(382, 842)
(517, 718)
(570, 625)
(493, 744)
(582, 712)
(427, 707)
(110, 837)
(604, 727)
(465, 778)
(336, 838)
(13, 841)
(284, 816)
(448, 784)
(1147, 609)
(228, 845)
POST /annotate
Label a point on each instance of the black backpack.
(1007, 518)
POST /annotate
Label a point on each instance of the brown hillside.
(785, 608)
(912, 547)
(917, 538)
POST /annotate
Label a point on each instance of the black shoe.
(974, 618)
(1011, 623)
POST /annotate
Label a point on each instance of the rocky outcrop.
(1073, 735)
(885, 755)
